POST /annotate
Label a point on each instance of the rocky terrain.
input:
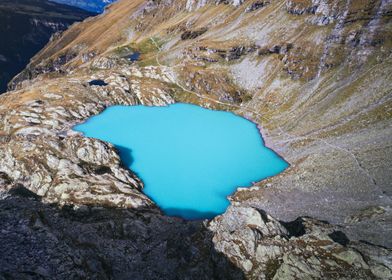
(315, 75)
(25, 27)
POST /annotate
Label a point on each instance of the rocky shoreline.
(68, 200)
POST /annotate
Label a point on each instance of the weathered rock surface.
(315, 75)
(306, 248)
(39, 241)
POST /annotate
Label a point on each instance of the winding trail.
(291, 137)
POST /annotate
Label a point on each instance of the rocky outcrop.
(323, 12)
(38, 241)
(257, 5)
(192, 5)
(75, 171)
(306, 248)
(315, 77)
(42, 241)
(50, 66)
(192, 34)
(41, 152)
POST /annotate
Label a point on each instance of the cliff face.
(315, 75)
(26, 26)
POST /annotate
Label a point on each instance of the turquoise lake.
(189, 158)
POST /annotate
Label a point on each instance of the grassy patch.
(148, 62)
(124, 51)
(272, 267)
(246, 97)
(180, 95)
(147, 46)
(144, 47)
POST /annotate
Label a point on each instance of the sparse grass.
(147, 62)
(182, 96)
(147, 46)
(246, 97)
(94, 69)
(123, 51)
(272, 267)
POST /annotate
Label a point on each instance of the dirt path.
(281, 130)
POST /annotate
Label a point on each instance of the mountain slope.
(316, 77)
(96, 6)
(25, 27)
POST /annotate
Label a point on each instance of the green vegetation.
(147, 46)
(148, 62)
(123, 51)
(246, 97)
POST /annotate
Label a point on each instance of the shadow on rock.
(41, 241)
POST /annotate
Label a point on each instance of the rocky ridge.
(26, 26)
(315, 75)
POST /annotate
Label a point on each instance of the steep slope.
(25, 28)
(316, 77)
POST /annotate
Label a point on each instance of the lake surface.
(100, 83)
(189, 158)
(134, 57)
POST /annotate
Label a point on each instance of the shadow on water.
(191, 214)
(125, 155)
(103, 243)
